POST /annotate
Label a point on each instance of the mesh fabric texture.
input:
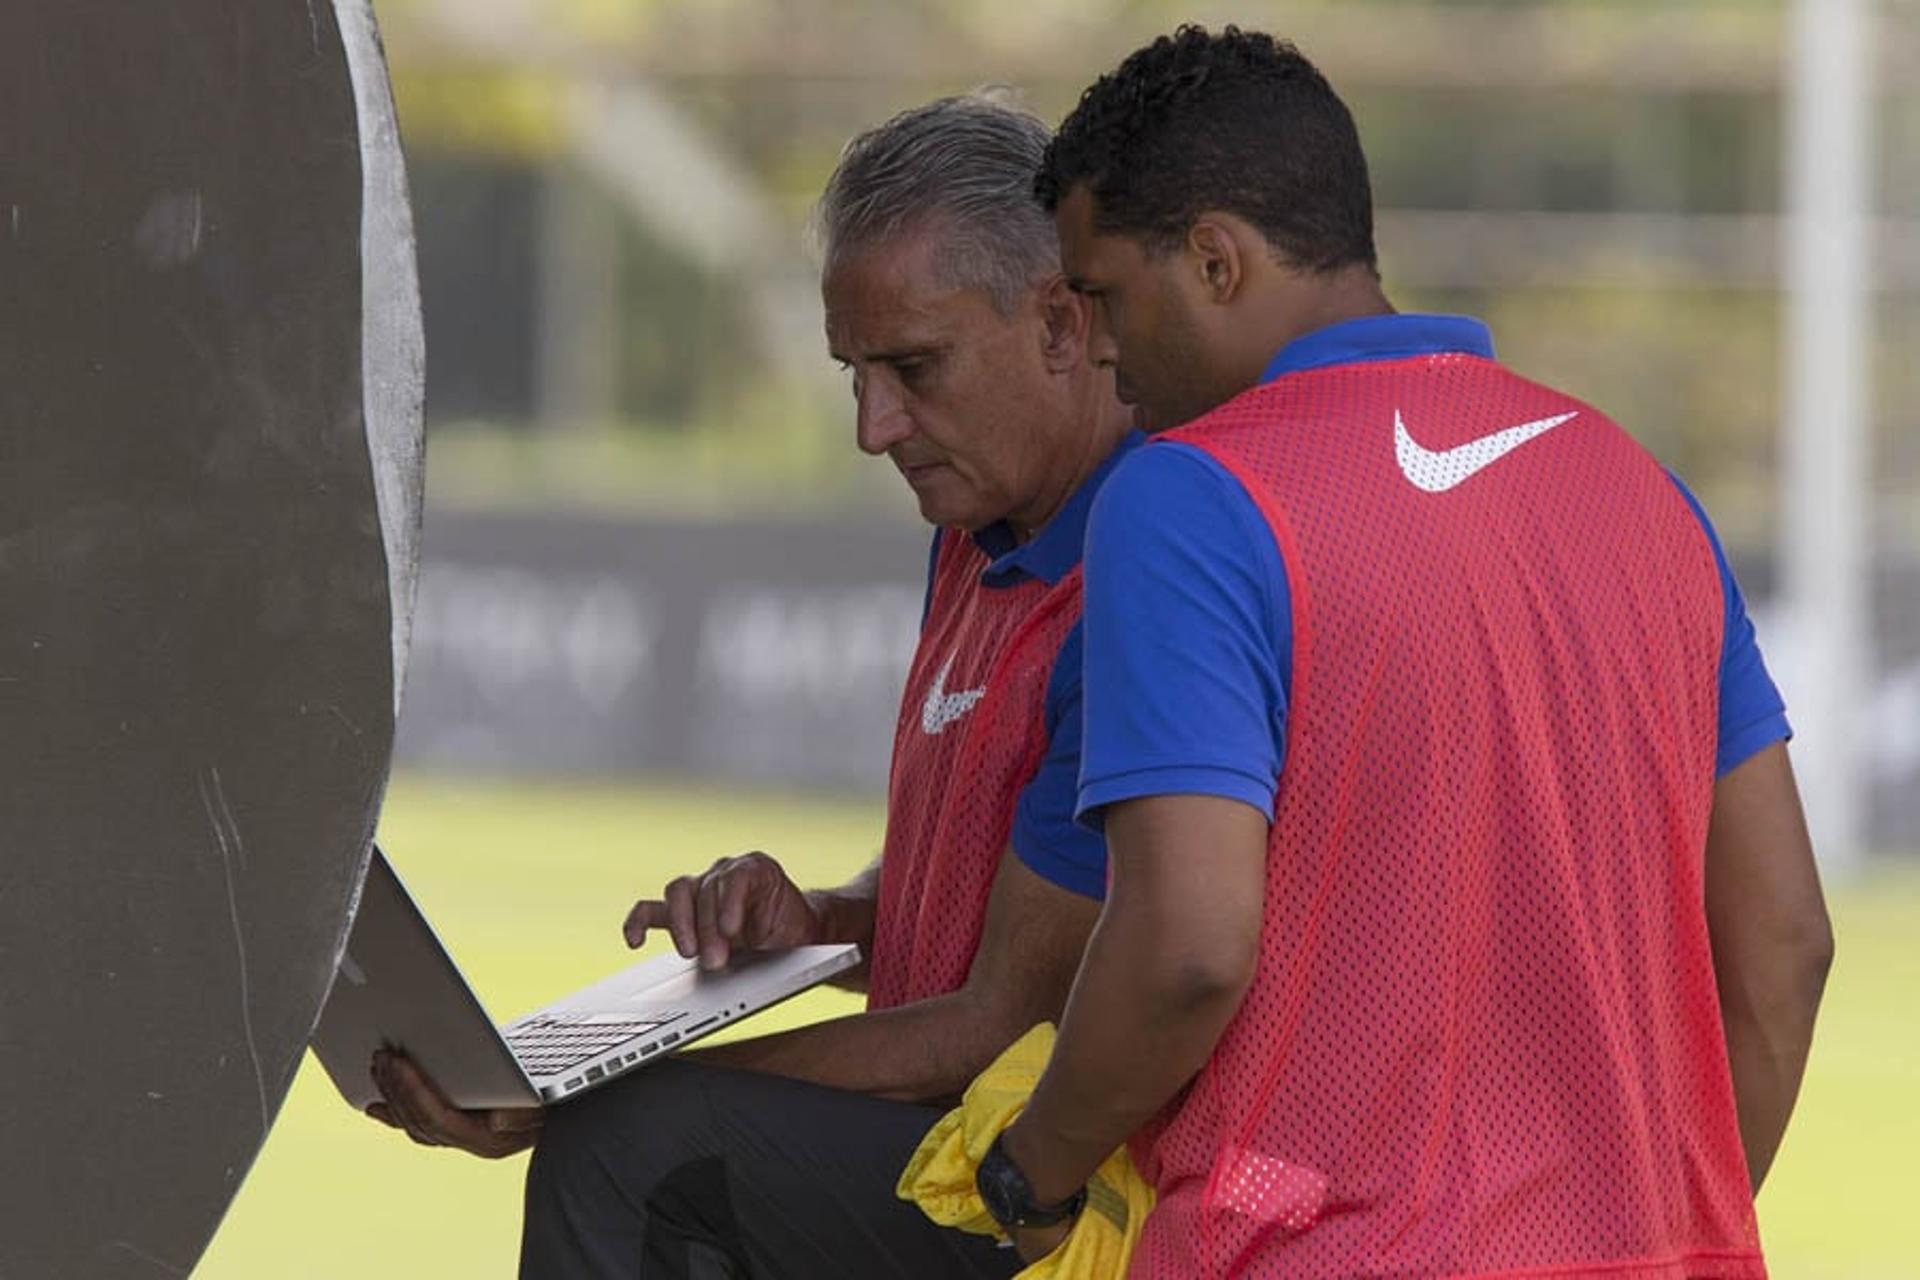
(1484, 1036)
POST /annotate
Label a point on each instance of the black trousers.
(683, 1170)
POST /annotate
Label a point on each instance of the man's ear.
(1065, 317)
(1217, 257)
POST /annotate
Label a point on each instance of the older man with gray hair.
(778, 1156)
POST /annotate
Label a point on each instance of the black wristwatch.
(1004, 1190)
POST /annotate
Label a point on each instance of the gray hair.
(965, 164)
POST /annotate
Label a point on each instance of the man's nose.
(880, 417)
(1101, 348)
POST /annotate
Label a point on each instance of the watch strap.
(1011, 1181)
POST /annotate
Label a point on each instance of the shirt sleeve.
(1188, 648)
(1752, 712)
(1045, 836)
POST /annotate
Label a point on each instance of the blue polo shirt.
(1189, 630)
(1045, 836)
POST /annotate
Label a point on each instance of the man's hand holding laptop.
(745, 903)
(415, 1105)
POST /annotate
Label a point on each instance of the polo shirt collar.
(1391, 337)
(1050, 554)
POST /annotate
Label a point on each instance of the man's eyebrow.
(897, 354)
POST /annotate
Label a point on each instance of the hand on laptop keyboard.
(414, 1104)
(746, 903)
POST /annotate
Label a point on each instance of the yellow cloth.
(940, 1176)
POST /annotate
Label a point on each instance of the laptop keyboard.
(548, 1046)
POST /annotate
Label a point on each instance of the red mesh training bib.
(1484, 1037)
(971, 735)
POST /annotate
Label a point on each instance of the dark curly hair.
(1237, 122)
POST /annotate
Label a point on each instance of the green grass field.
(528, 886)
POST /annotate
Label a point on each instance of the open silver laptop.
(398, 988)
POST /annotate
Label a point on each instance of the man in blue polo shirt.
(1462, 917)
(778, 1155)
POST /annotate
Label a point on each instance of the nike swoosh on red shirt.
(1437, 470)
(942, 708)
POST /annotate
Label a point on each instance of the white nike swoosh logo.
(1437, 471)
(942, 708)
